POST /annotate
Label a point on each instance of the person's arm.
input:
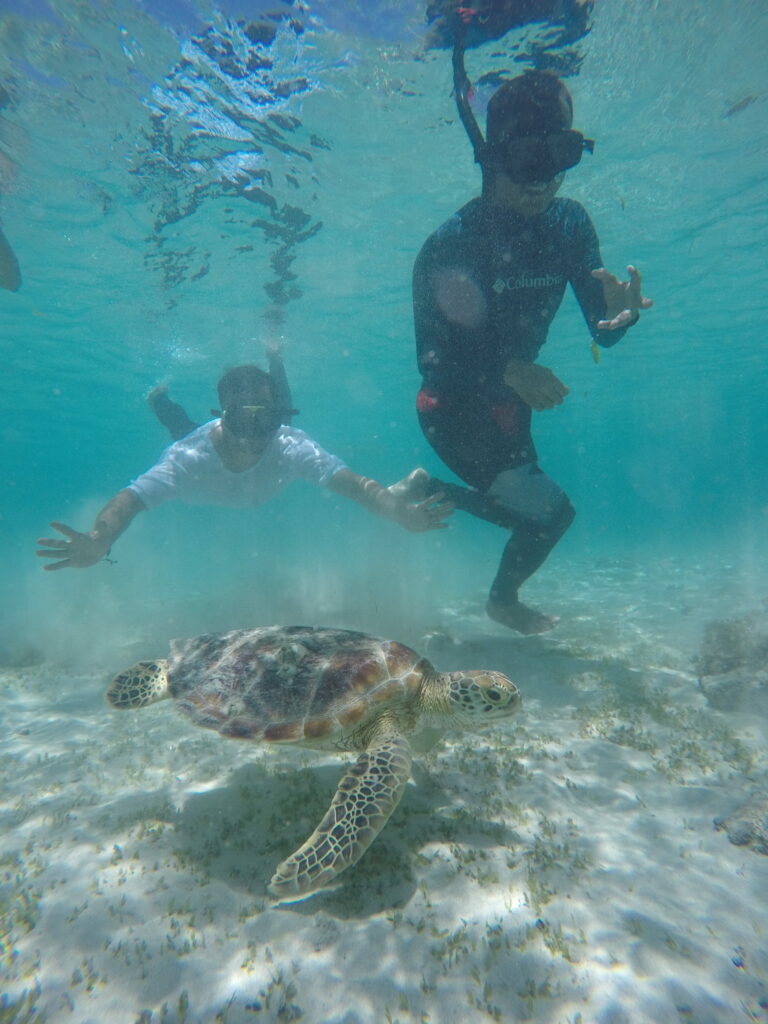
(280, 381)
(448, 302)
(427, 319)
(172, 415)
(416, 517)
(536, 385)
(610, 307)
(82, 550)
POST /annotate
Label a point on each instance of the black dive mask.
(248, 422)
(528, 159)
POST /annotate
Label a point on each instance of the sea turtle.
(322, 688)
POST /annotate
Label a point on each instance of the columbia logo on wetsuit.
(526, 281)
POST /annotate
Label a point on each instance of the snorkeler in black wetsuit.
(486, 286)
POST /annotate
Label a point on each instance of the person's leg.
(169, 413)
(495, 454)
(542, 513)
(10, 275)
(470, 500)
(420, 485)
(546, 515)
(283, 397)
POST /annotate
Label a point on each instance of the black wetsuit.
(486, 287)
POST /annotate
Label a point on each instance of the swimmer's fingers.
(428, 514)
(58, 549)
(66, 530)
(65, 563)
(53, 542)
(549, 392)
(623, 299)
(80, 551)
(536, 385)
(436, 507)
(605, 277)
(624, 318)
(627, 294)
(635, 290)
(55, 547)
(556, 390)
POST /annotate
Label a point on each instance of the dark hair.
(532, 103)
(239, 377)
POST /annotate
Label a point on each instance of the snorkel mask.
(527, 158)
(254, 403)
(249, 422)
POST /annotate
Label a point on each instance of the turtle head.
(144, 683)
(479, 698)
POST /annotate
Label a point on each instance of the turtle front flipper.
(367, 795)
(143, 683)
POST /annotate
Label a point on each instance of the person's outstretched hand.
(536, 385)
(623, 299)
(79, 552)
(420, 516)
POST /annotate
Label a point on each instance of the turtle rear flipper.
(143, 683)
(367, 795)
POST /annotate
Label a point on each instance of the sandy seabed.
(562, 868)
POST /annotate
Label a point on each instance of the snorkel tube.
(540, 154)
(462, 87)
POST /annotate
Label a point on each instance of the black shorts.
(476, 438)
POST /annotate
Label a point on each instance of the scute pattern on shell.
(289, 684)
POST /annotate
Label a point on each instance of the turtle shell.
(290, 684)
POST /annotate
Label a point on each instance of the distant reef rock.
(732, 665)
(748, 824)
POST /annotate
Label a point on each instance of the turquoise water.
(562, 868)
(139, 266)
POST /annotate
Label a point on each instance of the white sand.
(561, 869)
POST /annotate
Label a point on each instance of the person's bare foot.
(157, 395)
(520, 617)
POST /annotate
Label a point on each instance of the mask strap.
(462, 87)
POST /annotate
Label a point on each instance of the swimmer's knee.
(534, 498)
(566, 514)
(552, 525)
(563, 517)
